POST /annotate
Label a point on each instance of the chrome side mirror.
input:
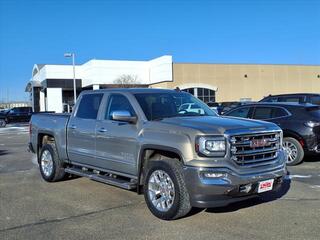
(123, 116)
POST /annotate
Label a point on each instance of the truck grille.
(255, 149)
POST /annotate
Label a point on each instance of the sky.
(196, 31)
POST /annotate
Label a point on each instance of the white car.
(191, 108)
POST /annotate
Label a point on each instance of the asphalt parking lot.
(31, 208)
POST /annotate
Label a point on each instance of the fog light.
(245, 188)
(214, 175)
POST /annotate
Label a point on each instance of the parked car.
(294, 97)
(16, 114)
(191, 108)
(214, 106)
(300, 124)
(139, 139)
(227, 106)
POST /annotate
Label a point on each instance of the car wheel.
(51, 168)
(294, 151)
(2, 123)
(165, 191)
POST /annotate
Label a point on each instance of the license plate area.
(265, 186)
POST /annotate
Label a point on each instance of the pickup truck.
(138, 139)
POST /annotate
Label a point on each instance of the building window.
(204, 94)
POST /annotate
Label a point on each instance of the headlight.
(211, 146)
(312, 124)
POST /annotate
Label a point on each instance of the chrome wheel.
(161, 190)
(291, 150)
(46, 163)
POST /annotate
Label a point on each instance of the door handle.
(102, 130)
(73, 126)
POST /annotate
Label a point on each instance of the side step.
(93, 175)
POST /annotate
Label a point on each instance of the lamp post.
(68, 55)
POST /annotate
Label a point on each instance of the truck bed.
(54, 124)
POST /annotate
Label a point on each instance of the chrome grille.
(251, 150)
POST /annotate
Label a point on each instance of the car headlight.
(211, 146)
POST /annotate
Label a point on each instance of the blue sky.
(256, 31)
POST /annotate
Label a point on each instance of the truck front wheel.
(51, 168)
(165, 191)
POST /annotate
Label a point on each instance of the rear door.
(116, 142)
(81, 130)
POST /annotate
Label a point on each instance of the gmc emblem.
(259, 143)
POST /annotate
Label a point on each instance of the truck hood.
(210, 124)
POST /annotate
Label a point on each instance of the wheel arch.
(151, 151)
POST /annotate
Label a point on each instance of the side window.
(118, 102)
(262, 113)
(271, 99)
(279, 112)
(89, 106)
(315, 100)
(240, 112)
(290, 99)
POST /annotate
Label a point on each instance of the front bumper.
(208, 192)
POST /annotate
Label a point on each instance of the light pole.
(68, 55)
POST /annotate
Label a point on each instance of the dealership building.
(51, 86)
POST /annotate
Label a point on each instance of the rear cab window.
(89, 106)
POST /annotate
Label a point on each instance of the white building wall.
(42, 102)
(54, 100)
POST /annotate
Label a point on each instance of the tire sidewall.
(300, 155)
(161, 165)
(54, 167)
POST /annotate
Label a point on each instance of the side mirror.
(123, 116)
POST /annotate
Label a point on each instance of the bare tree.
(127, 81)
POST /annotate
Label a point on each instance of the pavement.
(31, 208)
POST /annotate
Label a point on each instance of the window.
(271, 99)
(279, 112)
(315, 100)
(262, 113)
(204, 94)
(89, 106)
(157, 106)
(240, 112)
(118, 102)
(290, 99)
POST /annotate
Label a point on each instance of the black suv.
(16, 114)
(312, 98)
(300, 124)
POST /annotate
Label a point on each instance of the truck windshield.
(157, 106)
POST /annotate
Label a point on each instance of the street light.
(68, 55)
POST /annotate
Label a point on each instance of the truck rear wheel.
(165, 191)
(51, 167)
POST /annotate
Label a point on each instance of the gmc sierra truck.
(143, 140)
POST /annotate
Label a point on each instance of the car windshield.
(157, 106)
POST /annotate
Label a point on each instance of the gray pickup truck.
(146, 140)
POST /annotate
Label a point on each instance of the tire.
(51, 172)
(2, 123)
(179, 206)
(294, 150)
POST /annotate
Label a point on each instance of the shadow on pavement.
(3, 152)
(259, 199)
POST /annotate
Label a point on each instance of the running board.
(93, 175)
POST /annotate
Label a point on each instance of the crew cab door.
(116, 141)
(81, 130)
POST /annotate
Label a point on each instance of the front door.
(81, 130)
(116, 142)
